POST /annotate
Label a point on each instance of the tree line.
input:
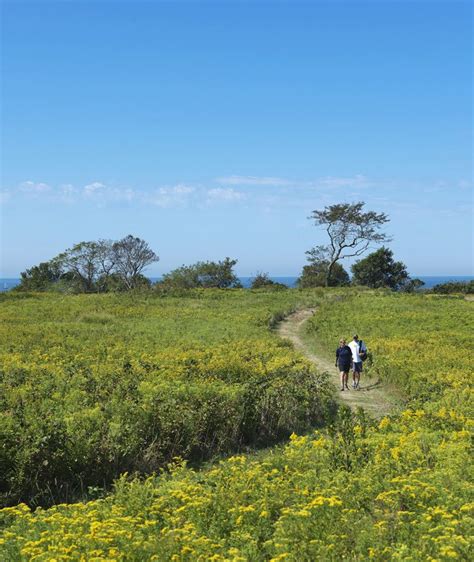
(96, 266)
(118, 265)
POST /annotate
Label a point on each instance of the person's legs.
(343, 374)
(356, 374)
(344, 378)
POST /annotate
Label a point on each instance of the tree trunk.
(328, 274)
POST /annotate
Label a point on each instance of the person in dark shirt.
(343, 362)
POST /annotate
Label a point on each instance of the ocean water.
(6, 284)
(430, 280)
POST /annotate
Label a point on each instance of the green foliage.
(92, 386)
(379, 269)
(40, 277)
(115, 283)
(82, 264)
(315, 275)
(465, 287)
(412, 285)
(263, 281)
(207, 275)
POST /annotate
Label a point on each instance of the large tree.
(89, 263)
(131, 256)
(379, 269)
(82, 262)
(351, 231)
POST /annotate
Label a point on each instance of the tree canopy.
(379, 269)
(204, 274)
(130, 257)
(41, 277)
(350, 230)
(93, 266)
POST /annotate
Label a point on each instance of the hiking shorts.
(357, 367)
(344, 367)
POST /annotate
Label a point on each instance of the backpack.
(362, 354)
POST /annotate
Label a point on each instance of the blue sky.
(214, 129)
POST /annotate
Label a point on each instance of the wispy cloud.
(102, 194)
(67, 193)
(95, 192)
(34, 187)
(270, 193)
(445, 185)
(335, 182)
(169, 196)
(326, 182)
(94, 187)
(224, 194)
(253, 180)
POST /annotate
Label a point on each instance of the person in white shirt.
(359, 354)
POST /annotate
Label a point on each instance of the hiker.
(343, 362)
(359, 354)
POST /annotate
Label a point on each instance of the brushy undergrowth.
(96, 385)
(398, 489)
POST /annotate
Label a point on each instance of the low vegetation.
(96, 385)
(398, 489)
(263, 281)
(454, 287)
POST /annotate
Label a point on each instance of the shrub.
(452, 287)
(263, 281)
(314, 275)
(217, 275)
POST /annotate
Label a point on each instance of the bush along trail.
(374, 396)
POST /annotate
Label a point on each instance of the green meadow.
(150, 427)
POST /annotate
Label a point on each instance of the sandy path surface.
(373, 395)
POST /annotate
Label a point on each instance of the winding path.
(373, 395)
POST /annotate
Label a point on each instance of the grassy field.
(396, 489)
(96, 385)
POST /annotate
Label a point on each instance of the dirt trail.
(373, 395)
